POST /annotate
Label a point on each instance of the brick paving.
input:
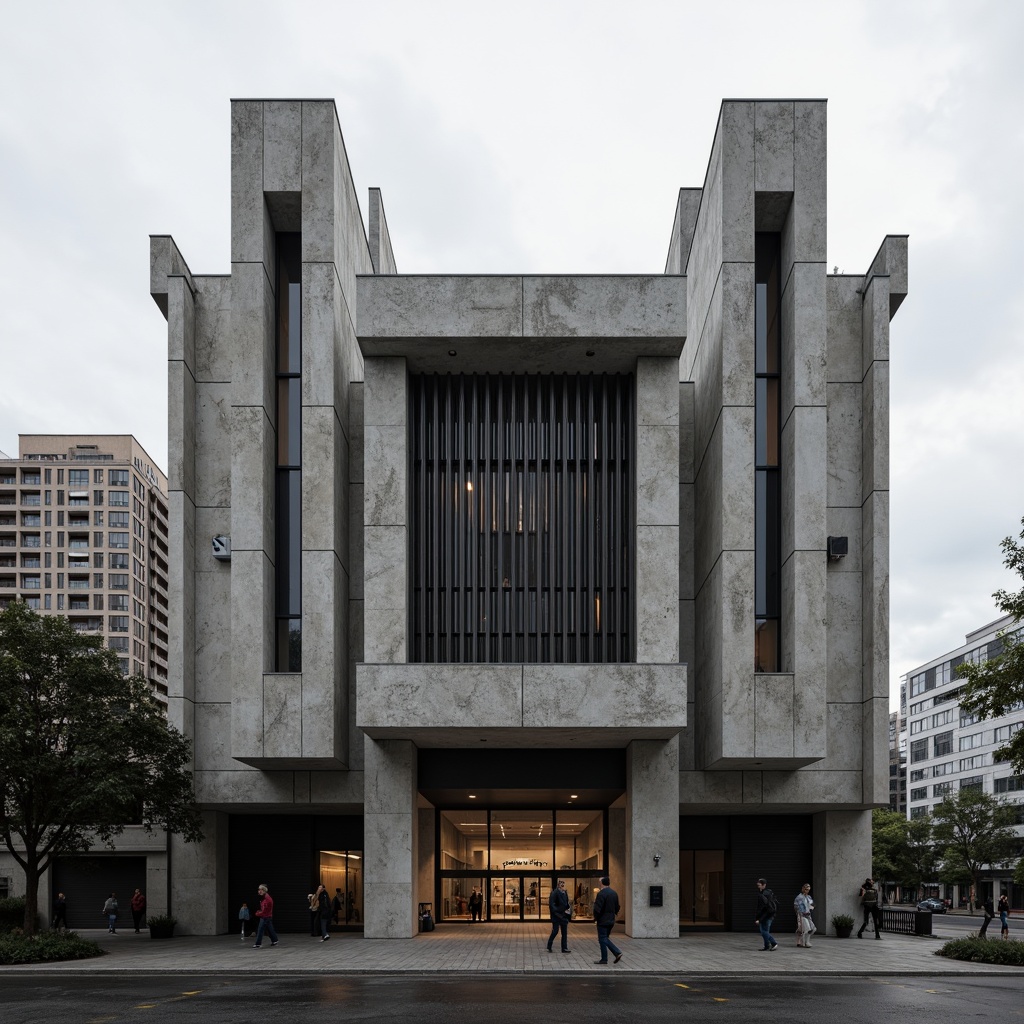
(517, 948)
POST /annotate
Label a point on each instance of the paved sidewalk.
(461, 949)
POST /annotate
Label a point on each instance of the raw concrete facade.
(699, 734)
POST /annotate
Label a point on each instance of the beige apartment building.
(83, 533)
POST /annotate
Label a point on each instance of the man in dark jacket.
(606, 909)
(990, 912)
(766, 909)
(558, 904)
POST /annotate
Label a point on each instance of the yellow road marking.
(679, 984)
(195, 992)
(144, 1006)
(717, 999)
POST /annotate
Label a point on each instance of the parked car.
(935, 905)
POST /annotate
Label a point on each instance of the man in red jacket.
(266, 916)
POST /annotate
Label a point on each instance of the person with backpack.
(869, 901)
(1003, 909)
(767, 908)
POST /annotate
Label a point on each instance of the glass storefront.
(341, 873)
(514, 858)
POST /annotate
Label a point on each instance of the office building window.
(974, 782)
(919, 794)
(918, 751)
(943, 744)
(942, 788)
(970, 742)
(117, 478)
(1013, 784)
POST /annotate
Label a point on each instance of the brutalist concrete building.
(479, 582)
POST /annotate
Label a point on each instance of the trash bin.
(426, 916)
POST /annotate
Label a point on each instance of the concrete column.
(199, 879)
(657, 510)
(652, 827)
(385, 511)
(390, 843)
(841, 854)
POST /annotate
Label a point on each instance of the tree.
(996, 687)
(973, 829)
(902, 850)
(83, 749)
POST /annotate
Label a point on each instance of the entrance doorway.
(702, 888)
(515, 858)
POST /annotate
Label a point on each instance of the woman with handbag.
(803, 905)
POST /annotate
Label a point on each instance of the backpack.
(771, 902)
(870, 898)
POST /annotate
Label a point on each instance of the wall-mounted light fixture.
(222, 548)
(838, 547)
(657, 859)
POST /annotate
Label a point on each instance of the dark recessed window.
(767, 429)
(288, 517)
(522, 500)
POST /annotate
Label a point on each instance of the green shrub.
(842, 921)
(984, 951)
(16, 948)
(12, 913)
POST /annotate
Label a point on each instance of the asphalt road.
(213, 1000)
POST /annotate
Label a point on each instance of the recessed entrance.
(515, 858)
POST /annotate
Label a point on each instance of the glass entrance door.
(702, 888)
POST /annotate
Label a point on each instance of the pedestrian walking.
(138, 909)
(110, 910)
(803, 905)
(60, 912)
(561, 912)
(266, 916)
(767, 908)
(869, 901)
(1003, 910)
(243, 916)
(989, 914)
(323, 902)
(337, 904)
(606, 909)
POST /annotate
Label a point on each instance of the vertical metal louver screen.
(522, 518)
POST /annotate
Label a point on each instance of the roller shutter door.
(777, 848)
(88, 881)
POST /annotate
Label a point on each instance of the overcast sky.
(538, 137)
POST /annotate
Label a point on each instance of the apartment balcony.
(8, 582)
(8, 499)
(86, 625)
(8, 542)
(30, 501)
